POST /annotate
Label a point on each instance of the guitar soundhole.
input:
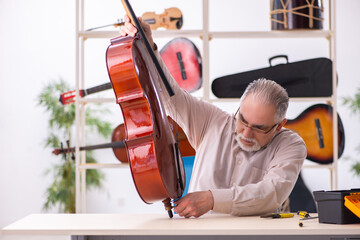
(181, 65)
(319, 133)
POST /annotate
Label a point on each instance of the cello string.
(177, 150)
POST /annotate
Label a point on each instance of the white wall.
(37, 44)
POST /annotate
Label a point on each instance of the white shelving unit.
(205, 35)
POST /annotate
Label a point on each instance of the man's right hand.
(194, 204)
(131, 30)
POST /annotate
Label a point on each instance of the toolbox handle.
(278, 56)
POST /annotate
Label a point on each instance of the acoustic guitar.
(315, 127)
(183, 59)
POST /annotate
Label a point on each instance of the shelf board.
(98, 34)
(125, 165)
(292, 99)
(273, 34)
(103, 165)
(97, 100)
(218, 34)
(177, 33)
(329, 166)
(214, 100)
(156, 34)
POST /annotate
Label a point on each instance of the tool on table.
(277, 215)
(304, 216)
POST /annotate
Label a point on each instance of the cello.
(154, 157)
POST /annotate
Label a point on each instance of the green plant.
(354, 105)
(61, 124)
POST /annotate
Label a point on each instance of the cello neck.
(136, 23)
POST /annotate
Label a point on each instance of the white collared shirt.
(242, 183)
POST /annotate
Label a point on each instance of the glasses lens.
(255, 129)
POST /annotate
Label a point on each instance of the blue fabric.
(188, 166)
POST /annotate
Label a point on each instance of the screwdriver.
(278, 215)
(303, 214)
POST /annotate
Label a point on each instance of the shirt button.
(234, 184)
(239, 162)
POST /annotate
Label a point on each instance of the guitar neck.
(96, 89)
(118, 144)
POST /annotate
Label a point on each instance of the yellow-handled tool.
(303, 214)
(278, 215)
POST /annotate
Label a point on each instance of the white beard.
(252, 148)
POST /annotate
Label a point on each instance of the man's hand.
(131, 30)
(194, 204)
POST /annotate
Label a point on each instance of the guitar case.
(308, 78)
(301, 199)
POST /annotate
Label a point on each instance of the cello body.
(154, 158)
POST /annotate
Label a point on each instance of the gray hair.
(269, 92)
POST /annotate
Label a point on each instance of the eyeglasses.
(259, 129)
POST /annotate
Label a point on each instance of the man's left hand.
(194, 204)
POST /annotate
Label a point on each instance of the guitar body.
(314, 125)
(183, 60)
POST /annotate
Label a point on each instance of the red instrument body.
(119, 134)
(183, 60)
(151, 148)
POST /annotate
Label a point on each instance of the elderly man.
(246, 163)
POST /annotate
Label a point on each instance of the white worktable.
(145, 225)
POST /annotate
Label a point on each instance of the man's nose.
(247, 132)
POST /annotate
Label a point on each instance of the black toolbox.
(331, 208)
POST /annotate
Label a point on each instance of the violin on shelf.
(118, 147)
(170, 19)
(181, 57)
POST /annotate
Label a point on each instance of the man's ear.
(281, 124)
